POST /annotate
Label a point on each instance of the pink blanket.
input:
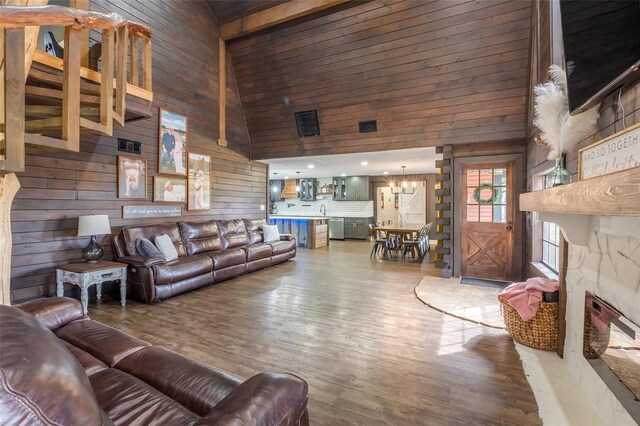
(525, 297)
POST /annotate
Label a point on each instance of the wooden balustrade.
(120, 45)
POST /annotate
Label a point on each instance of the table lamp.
(91, 226)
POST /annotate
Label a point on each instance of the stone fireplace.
(600, 220)
(609, 268)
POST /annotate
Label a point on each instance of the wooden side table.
(84, 275)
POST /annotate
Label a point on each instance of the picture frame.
(169, 189)
(198, 181)
(131, 178)
(620, 151)
(172, 143)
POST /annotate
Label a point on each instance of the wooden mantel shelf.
(616, 194)
(609, 203)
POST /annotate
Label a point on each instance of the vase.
(559, 175)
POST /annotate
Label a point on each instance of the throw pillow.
(165, 245)
(271, 233)
(145, 248)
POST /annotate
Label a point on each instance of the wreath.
(495, 193)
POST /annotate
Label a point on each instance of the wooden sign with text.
(613, 154)
(131, 212)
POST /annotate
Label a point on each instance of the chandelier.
(402, 186)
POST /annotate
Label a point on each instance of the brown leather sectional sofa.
(59, 367)
(208, 252)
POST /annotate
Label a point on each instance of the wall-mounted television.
(601, 48)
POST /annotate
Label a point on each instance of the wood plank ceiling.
(430, 72)
(230, 10)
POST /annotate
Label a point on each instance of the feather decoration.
(560, 130)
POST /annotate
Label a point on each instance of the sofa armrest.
(264, 399)
(287, 237)
(139, 261)
(54, 312)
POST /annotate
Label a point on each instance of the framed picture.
(199, 182)
(167, 189)
(172, 144)
(132, 178)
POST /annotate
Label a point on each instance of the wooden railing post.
(147, 70)
(133, 61)
(84, 34)
(14, 81)
(121, 73)
(71, 88)
(106, 81)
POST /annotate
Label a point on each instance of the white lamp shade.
(93, 225)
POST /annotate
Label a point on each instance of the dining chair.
(379, 243)
(415, 245)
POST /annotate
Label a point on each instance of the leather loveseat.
(208, 252)
(58, 367)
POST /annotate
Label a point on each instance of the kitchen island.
(310, 231)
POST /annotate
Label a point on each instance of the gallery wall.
(58, 187)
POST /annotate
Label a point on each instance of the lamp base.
(92, 252)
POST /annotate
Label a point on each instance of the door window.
(487, 195)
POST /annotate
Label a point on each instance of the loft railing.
(121, 71)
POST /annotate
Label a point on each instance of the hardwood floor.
(371, 352)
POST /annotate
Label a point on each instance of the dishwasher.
(336, 228)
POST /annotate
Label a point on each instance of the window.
(487, 195)
(551, 245)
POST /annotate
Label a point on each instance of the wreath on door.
(477, 194)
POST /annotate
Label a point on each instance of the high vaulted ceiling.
(230, 10)
(431, 72)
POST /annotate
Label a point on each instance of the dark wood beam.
(274, 16)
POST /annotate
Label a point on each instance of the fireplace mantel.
(609, 203)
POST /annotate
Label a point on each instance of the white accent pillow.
(271, 233)
(166, 247)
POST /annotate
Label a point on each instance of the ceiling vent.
(307, 122)
(368, 126)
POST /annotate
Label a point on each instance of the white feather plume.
(559, 130)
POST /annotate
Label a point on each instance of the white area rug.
(473, 303)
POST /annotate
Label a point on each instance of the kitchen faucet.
(325, 210)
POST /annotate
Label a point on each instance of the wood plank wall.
(431, 73)
(608, 124)
(57, 187)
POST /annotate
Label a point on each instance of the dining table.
(404, 232)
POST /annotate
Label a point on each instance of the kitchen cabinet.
(339, 188)
(275, 189)
(307, 189)
(351, 188)
(357, 228)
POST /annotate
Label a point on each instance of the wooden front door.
(487, 221)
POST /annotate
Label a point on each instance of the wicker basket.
(540, 332)
(594, 343)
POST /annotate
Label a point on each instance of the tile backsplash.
(295, 207)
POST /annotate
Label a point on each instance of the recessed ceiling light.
(310, 166)
(343, 174)
(364, 163)
(286, 177)
(385, 173)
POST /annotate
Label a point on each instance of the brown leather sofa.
(208, 252)
(58, 367)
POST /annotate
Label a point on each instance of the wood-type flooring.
(352, 327)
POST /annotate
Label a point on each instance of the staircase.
(48, 102)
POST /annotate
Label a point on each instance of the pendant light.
(402, 186)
